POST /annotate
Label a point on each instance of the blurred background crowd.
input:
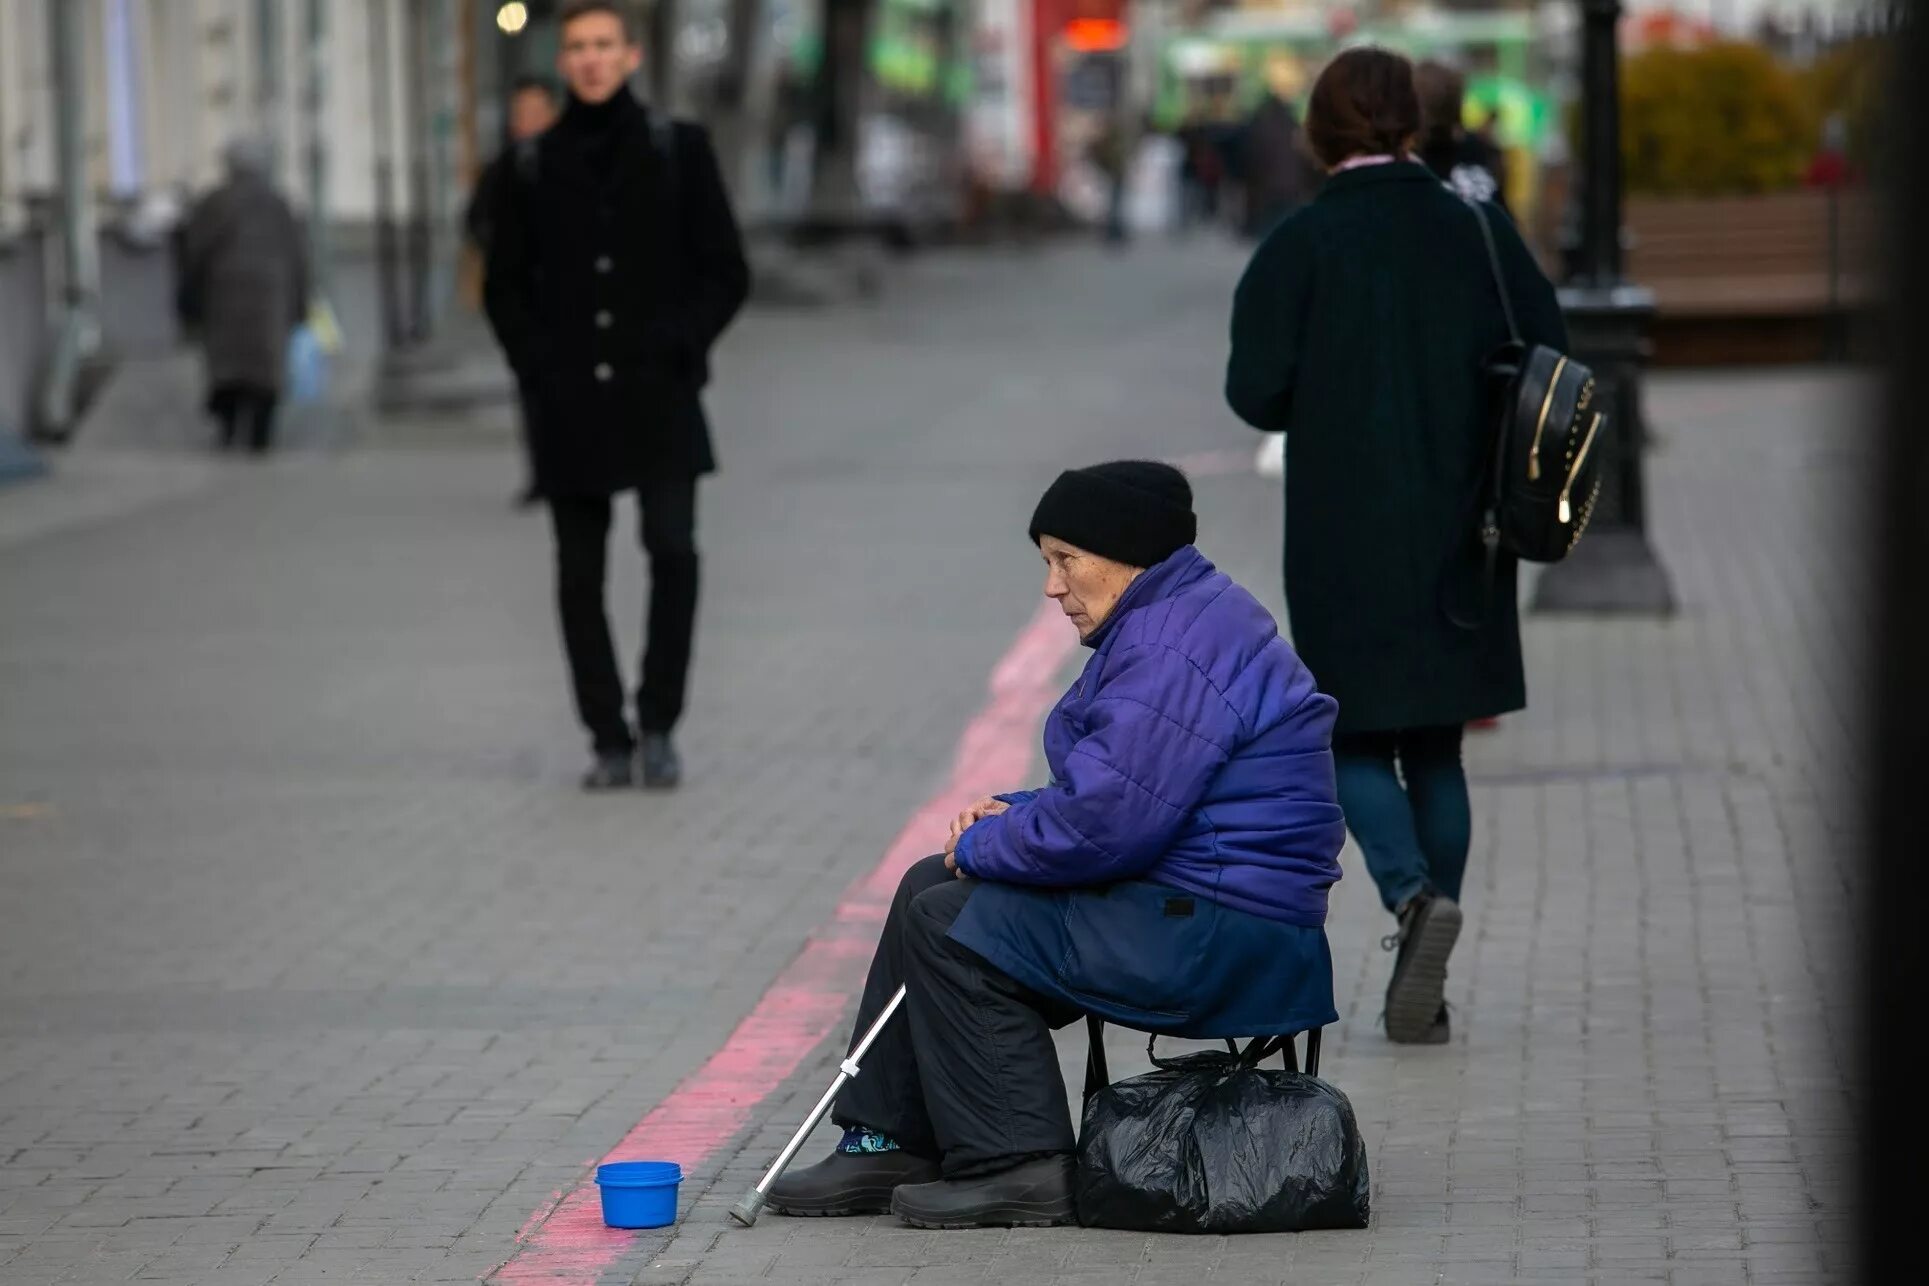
(1748, 131)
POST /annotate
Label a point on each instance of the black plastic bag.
(1212, 1143)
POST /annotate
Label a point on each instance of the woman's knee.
(929, 915)
(925, 873)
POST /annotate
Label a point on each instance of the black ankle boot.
(849, 1183)
(1032, 1194)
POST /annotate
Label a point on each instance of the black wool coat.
(614, 263)
(1360, 330)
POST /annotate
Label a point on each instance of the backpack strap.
(1493, 267)
(1487, 498)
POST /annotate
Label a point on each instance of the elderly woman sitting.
(1172, 876)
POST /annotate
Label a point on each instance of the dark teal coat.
(1360, 330)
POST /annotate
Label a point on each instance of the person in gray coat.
(243, 290)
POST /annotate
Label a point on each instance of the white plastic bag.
(1271, 460)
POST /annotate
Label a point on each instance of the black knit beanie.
(1136, 512)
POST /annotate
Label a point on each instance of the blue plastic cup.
(639, 1194)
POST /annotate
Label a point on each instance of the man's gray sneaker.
(662, 769)
(611, 772)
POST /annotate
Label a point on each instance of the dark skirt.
(1155, 958)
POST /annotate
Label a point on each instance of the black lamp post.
(1614, 568)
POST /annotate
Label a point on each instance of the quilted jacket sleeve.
(1158, 732)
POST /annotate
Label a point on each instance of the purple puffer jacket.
(1194, 751)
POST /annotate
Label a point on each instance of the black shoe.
(661, 767)
(1415, 998)
(1032, 1194)
(848, 1183)
(1441, 1032)
(615, 771)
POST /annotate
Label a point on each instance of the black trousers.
(582, 523)
(245, 413)
(966, 1072)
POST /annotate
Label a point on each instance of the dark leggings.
(1405, 798)
(245, 414)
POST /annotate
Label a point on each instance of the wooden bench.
(1735, 256)
(1753, 278)
(1739, 278)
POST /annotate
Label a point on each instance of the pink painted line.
(565, 1240)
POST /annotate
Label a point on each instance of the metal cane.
(746, 1211)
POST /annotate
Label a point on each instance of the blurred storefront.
(1048, 76)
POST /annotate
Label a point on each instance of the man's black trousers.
(582, 523)
(966, 1072)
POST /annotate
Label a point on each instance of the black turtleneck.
(599, 128)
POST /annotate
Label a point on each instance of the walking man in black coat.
(614, 266)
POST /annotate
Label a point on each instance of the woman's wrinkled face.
(1085, 586)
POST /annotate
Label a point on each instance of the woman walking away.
(1360, 331)
(244, 289)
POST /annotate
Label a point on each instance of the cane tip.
(746, 1211)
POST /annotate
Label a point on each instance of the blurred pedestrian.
(1201, 172)
(1111, 155)
(242, 290)
(1465, 160)
(1189, 198)
(1361, 330)
(790, 116)
(614, 265)
(532, 109)
(1829, 168)
(1273, 164)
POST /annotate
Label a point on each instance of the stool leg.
(1312, 1051)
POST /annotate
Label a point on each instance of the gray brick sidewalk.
(1650, 1070)
(314, 967)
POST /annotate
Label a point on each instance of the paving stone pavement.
(314, 966)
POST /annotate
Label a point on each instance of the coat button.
(604, 263)
(603, 319)
(603, 372)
